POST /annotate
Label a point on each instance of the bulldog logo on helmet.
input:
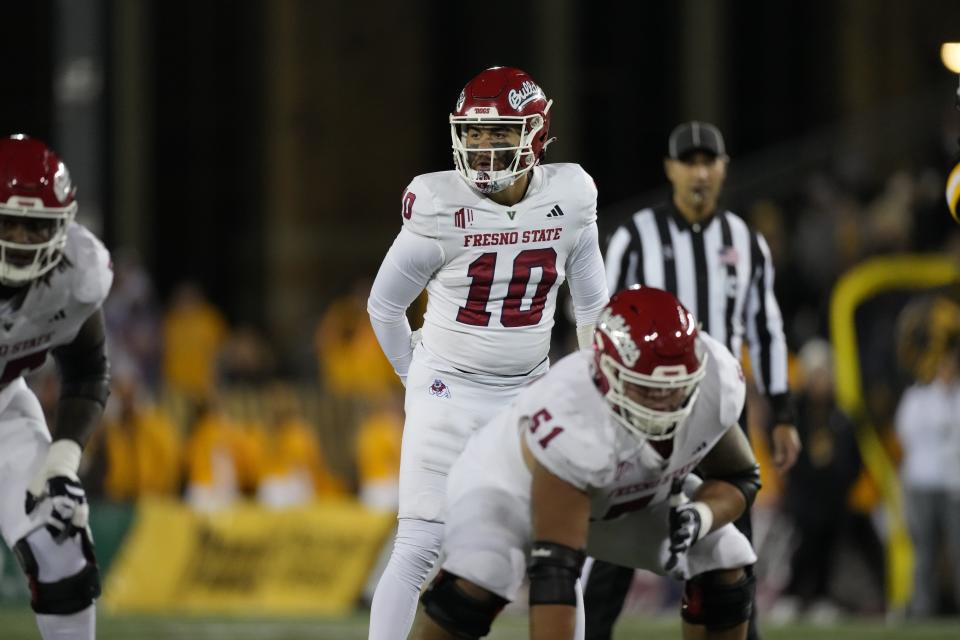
(62, 186)
(615, 327)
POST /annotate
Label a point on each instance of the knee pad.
(67, 595)
(717, 606)
(464, 616)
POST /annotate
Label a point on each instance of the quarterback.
(491, 241)
(54, 277)
(598, 457)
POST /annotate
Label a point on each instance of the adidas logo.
(59, 315)
(556, 212)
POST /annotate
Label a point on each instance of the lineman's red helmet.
(36, 194)
(650, 361)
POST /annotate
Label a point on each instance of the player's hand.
(786, 446)
(55, 492)
(685, 525)
(415, 338)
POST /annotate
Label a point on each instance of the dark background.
(261, 147)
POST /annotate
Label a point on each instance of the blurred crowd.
(200, 411)
(829, 505)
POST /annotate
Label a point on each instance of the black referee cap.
(695, 136)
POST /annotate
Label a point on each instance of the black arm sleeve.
(731, 460)
(85, 381)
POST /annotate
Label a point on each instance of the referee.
(720, 269)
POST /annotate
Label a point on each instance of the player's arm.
(731, 479)
(405, 271)
(588, 283)
(84, 382)
(585, 273)
(84, 387)
(561, 516)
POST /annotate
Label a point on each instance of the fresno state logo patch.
(439, 389)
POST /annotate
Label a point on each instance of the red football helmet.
(507, 97)
(36, 206)
(650, 361)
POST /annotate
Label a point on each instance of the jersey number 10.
(481, 271)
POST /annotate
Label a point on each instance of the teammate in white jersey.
(598, 456)
(54, 276)
(491, 242)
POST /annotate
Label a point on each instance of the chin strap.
(546, 144)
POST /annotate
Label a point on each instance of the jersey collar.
(684, 225)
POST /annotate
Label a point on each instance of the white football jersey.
(568, 428)
(491, 304)
(52, 312)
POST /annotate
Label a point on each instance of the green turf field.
(18, 625)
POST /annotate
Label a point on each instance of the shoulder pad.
(726, 373)
(569, 452)
(574, 446)
(580, 188)
(417, 211)
(92, 268)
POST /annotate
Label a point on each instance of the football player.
(54, 276)
(491, 241)
(598, 457)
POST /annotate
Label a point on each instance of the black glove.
(689, 521)
(684, 531)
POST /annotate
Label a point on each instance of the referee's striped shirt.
(720, 269)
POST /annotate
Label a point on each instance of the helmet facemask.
(504, 164)
(32, 238)
(655, 406)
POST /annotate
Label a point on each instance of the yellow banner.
(248, 559)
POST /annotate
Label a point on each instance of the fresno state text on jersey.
(491, 304)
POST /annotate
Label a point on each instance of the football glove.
(55, 493)
(689, 522)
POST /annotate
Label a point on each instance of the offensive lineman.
(491, 242)
(592, 458)
(54, 276)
